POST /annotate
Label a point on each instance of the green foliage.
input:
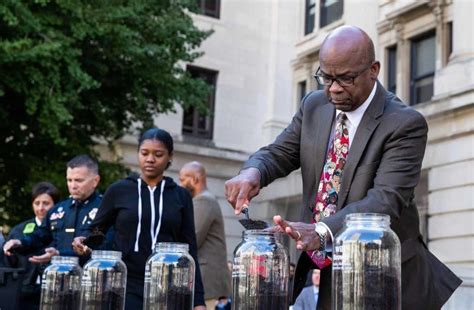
(76, 71)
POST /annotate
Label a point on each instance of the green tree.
(75, 72)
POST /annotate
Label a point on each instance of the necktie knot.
(341, 118)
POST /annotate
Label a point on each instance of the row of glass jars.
(366, 272)
(100, 286)
(169, 281)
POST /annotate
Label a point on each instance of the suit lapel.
(365, 130)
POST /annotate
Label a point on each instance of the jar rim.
(106, 254)
(65, 259)
(258, 232)
(172, 245)
(363, 217)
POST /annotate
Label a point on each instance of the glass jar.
(169, 277)
(104, 281)
(260, 272)
(366, 272)
(61, 284)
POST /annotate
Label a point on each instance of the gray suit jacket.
(380, 175)
(305, 300)
(212, 251)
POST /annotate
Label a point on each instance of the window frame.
(194, 131)
(302, 90)
(392, 68)
(201, 4)
(323, 18)
(309, 18)
(413, 63)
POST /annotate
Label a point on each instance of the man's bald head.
(195, 167)
(348, 65)
(192, 176)
(350, 41)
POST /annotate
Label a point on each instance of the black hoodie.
(120, 209)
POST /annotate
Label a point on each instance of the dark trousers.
(30, 300)
(133, 301)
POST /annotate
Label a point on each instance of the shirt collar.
(315, 289)
(37, 220)
(355, 116)
(85, 202)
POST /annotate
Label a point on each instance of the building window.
(423, 62)
(197, 124)
(309, 16)
(301, 90)
(392, 69)
(209, 7)
(330, 11)
(449, 41)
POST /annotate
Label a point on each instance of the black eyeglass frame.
(349, 80)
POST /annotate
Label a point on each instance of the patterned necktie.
(330, 182)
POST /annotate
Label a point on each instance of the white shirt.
(316, 293)
(38, 222)
(354, 117)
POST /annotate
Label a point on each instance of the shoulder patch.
(29, 228)
(93, 213)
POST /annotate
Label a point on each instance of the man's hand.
(199, 308)
(10, 245)
(46, 257)
(79, 247)
(242, 188)
(303, 233)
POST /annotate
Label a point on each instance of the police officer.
(43, 197)
(68, 218)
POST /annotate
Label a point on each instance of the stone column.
(403, 62)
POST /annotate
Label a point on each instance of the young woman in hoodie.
(145, 209)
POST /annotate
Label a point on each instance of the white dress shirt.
(354, 117)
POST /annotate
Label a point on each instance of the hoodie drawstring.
(154, 234)
(160, 208)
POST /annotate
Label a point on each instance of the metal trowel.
(251, 224)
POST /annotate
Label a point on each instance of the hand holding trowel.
(248, 223)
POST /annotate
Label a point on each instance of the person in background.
(68, 218)
(210, 234)
(44, 195)
(308, 298)
(360, 150)
(146, 209)
(223, 303)
(291, 280)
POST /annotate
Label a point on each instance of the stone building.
(261, 60)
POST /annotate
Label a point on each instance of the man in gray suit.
(210, 233)
(308, 298)
(385, 143)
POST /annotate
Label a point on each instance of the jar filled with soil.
(366, 270)
(169, 278)
(260, 272)
(61, 284)
(104, 281)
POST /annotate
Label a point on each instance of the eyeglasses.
(343, 81)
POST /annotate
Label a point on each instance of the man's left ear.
(374, 70)
(97, 180)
